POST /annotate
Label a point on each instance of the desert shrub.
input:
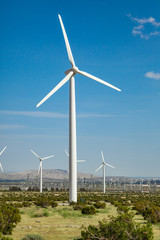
(42, 202)
(33, 237)
(17, 205)
(152, 214)
(141, 206)
(14, 189)
(89, 210)
(26, 204)
(5, 238)
(121, 227)
(122, 208)
(78, 206)
(33, 189)
(72, 203)
(45, 213)
(149, 211)
(53, 204)
(100, 205)
(1, 222)
(9, 216)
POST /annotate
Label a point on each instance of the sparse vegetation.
(149, 211)
(5, 238)
(121, 227)
(33, 237)
(52, 220)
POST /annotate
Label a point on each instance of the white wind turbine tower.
(0, 155)
(40, 167)
(70, 73)
(104, 175)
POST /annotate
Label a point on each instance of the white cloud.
(94, 115)
(54, 115)
(35, 114)
(153, 75)
(142, 21)
(11, 126)
(139, 29)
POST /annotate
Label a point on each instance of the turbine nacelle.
(74, 70)
(104, 163)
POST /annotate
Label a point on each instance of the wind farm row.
(50, 179)
(40, 172)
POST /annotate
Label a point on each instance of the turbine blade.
(67, 153)
(102, 155)
(40, 165)
(47, 157)
(70, 56)
(3, 150)
(59, 85)
(81, 160)
(99, 168)
(109, 165)
(35, 154)
(1, 167)
(97, 79)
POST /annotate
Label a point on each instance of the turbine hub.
(74, 69)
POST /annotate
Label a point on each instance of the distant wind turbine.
(40, 167)
(0, 155)
(77, 160)
(104, 175)
(70, 73)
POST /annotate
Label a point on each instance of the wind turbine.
(70, 73)
(0, 155)
(77, 160)
(104, 176)
(40, 167)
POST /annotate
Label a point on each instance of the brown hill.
(47, 173)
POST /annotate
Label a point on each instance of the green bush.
(72, 203)
(14, 189)
(33, 237)
(122, 208)
(152, 214)
(78, 206)
(149, 211)
(42, 202)
(122, 227)
(26, 204)
(9, 217)
(53, 204)
(5, 238)
(100, 205)
(45, 213)
(89, 210)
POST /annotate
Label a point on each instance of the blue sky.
(117, 41)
